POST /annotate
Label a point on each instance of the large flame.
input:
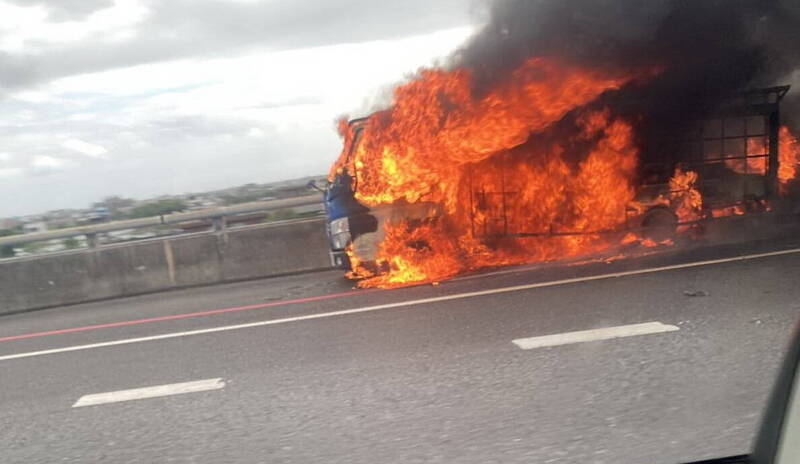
(441, 144)
(348, 137)
(552, 197)
(684, 196)
(528, 171)
(416, 150)
(756, 160)
(789, 156)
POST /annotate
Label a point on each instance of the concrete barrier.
(155, 265)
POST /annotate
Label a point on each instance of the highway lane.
(304, 294)
(433, 382)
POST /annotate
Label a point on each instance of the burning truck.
(554, 157)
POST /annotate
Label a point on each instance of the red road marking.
(185, 316)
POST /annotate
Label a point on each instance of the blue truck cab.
(341, 209)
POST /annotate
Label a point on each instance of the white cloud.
(256, 132)
(48, 162)
(31, 96)
(24, 116)
(31, 28)
(10, 172)
(198, 124)
(5, 156)
(82, 116)
(85, 148)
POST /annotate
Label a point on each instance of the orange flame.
(564, 203)
(497, 166)
(340, 165)
(789, 157)
(756, 160)
(413, 151)
(684, 197)
(530, 170)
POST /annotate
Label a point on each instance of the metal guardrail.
(217, 215)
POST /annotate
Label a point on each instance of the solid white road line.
(149, 392)
(399, 304)
(581, 336)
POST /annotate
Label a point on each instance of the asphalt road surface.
(676, 365)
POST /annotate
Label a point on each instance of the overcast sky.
(146, 97)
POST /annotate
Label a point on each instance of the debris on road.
(695, 293)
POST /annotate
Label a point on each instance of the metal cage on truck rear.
(734, 151)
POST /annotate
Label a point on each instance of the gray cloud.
(209, 28)
(66, 10)
(17, 71)
(290, 102)
(156, 143)
(183, 128)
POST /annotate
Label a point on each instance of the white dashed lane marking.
(149, 392)
(582, 336)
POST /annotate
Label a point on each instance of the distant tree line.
(7, 251)
(270, 192)
(285, 214)
(157, 208)
(120, 208)
(228, 199)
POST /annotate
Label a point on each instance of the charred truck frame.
(734, 151)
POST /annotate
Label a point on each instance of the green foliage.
(115, 206)
(283, 214)
(71, 243)
(32, 247)
(114, 202)
(289, 192)
(236, 199)
(7, 251)
(158, 208)
(286, 214)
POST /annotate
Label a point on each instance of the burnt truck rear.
(733, 154)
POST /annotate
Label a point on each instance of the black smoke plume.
(709, 49)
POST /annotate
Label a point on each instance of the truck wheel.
(659, 224)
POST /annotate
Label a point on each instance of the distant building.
(98, 214)
(60, 223)
(31, 218)
(201, 202)
(9, 223)
(125, 210)
(34, 227)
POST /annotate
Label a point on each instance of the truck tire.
(659, 224)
